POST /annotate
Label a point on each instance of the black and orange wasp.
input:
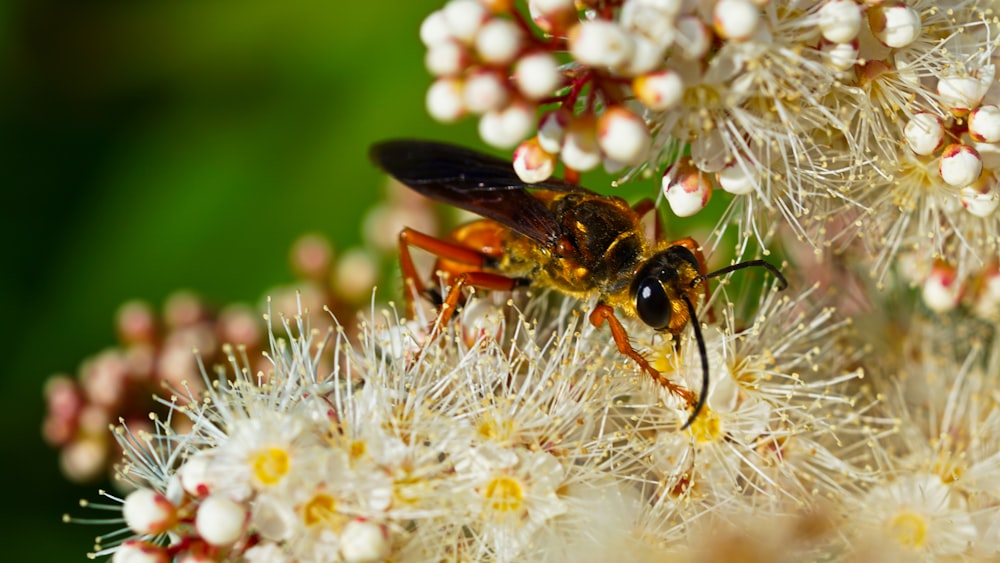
(558, 235)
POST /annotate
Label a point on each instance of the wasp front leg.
(605, 313)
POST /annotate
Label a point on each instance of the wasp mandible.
(554, 234)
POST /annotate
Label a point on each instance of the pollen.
(320, 509)
(707, 428)
(909, 529)
(492, 429)
(270, 465)
(504, 494)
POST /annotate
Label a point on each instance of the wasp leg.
(644, 206)
(414, 286)
(603, 312)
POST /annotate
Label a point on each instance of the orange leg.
(411, 279)
(604, 312)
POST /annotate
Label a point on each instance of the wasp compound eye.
(652, 304)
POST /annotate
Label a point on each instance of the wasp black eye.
(652, 304)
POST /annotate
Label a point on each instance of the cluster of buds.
(156, 353)
(118, 384)
(807, 109)
(964, 145)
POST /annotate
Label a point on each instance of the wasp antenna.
(703, 396)
(782, 282)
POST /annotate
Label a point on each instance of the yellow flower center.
(504, 494)
(270, 465)
(910, 529)
(491, 429)
(707, 427)
(321, 509)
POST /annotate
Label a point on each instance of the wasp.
(554, 234)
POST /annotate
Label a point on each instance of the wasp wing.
(477, 182)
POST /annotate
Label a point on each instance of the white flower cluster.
(837, 118)
(500, 449)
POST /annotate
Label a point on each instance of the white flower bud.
(941, 290)
(498, 41)
(962, 93)
(686, 189)
(623, 135)
(434, 29)
(735, 180)
(895, 26)
(484, 91)
(552, 129)
(580, 150)
(220, 521)
(981, 198)
(506, 127)
(537, 75)
(735, 19)
(552, 15)
(924, 133)
(147, 512)
(600, 43)
(984, 124)
(138, 551)
(446, 58)
(362, 541)
(960, 165)
(464, 18)
(445, 100)
(532, 163)
(841, 56)
(659, 91)
(839, 20)
(693, 38)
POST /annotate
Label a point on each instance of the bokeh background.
(153, 145)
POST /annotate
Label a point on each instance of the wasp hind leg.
(453, 253)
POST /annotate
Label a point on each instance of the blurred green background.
(150, 146)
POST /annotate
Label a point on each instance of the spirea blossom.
(835, 119)
(512, 441)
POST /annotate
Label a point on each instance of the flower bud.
(506, 127)
(941, 290)
(498, 41)
(924, 133)
(960, 165)
(485, 90)
(894, 26)
(982, 197)
(464, 18)
(446, 58)
(532, 163)
(147, 512)
(363, 541)
(984, 124)
(537, 75)
(600, 43)
(839, 20)
(445, 100)
(580, 150)
(220, 521)
(735, 19)
(962, 93)
(841, 56)
(735, 180)
(552, 129)
(623, 135)
(659, 91)
(686, 189)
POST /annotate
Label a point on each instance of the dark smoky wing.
(476, 182)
